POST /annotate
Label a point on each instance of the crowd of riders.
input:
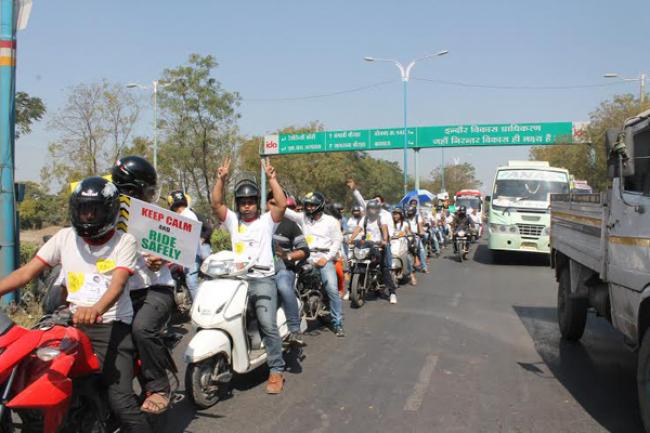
(122, 298)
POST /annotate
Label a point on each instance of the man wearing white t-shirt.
(374, 228)
(96, 261)
(252, 238)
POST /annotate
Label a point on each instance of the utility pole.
(8, 247)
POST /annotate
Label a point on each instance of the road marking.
(456, 299)
(414, 401)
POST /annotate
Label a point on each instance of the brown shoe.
(275, 383)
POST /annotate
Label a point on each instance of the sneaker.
(294, 339)
(275, 383)
(346, 297)
(338, 330)
(414, 280)
(393, 298)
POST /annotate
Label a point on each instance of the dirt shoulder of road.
(36, 236)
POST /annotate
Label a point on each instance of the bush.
(27, 252)
(220, 240)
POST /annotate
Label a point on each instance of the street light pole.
(154, 88)
(641, 79)
(405, 73)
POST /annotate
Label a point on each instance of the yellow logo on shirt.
(239, 247)
(75, 281)
(310, 240)
(368, 236)
(105, 265)
(241, 229)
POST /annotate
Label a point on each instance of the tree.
(94, 127)
(589, 161)
(327, 172)
(29, 109)
(40, 209)
(199, 122)
(457, 177)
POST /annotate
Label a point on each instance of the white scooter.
(227, 336)
(399, 251)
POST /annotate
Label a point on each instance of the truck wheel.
(643, 380)
(571, 312)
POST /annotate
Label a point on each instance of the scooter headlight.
(461, 233)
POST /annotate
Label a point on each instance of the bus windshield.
(470, 202)
(528, 188)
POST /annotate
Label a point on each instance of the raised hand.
(351, 184)
(269, 169)
(224, 170)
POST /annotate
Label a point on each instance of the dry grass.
(27, 316)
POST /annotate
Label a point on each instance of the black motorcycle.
(365, 265)
(461, 244)
(312, 293)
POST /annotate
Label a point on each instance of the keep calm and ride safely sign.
(161, 232)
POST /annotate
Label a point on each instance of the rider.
(252, 241)
(151, 290)
(96, 260)
(461, 221)
(290, 248)
(355, 218)
(375, 229)
(402, 229)
(178, 202)
(417, 228)
(323, 234)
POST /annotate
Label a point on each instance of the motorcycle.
(182, 296)
(228, 337)
(400, 251)
(461, 245)
(50, 377)
(366, 271)
(429, 242)
(311, 290)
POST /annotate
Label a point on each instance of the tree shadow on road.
(599, 372)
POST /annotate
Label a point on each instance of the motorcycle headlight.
(46, 354)
(361, 253)
(461, 233)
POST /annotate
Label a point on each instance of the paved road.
(473, 348)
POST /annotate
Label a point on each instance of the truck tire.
(571, 312)
(643, 380)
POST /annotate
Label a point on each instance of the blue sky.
(277, 49)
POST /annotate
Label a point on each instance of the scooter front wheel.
(203, 381)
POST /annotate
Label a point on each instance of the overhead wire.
(321, 95)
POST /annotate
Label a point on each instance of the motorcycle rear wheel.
(198, 380)
(357, 293)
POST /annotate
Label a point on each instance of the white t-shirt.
(143, 277)
(324, 233)
(373, 230)
(87, 269)
(253, 241)
(189, 213)
(413, 222)
(352, 224)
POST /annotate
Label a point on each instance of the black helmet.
(412, 210)
(314, 198)
(246, 188)
(336, 209)
(373, 207)
(176, 199)
(94, 207)
(135, 177)
(357, 208)
(462, 210)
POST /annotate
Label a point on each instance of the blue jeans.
(263, 294)
(285, 280)
(330, 280)
(423, 255)
(192, 277)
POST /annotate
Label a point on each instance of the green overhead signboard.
(510, 134)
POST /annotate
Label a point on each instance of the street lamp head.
(369, 59)
(132, 85)
(611, 75)
(442, 53)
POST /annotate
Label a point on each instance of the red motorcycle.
(49, 378)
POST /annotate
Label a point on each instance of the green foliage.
(589, 161)
(29, 109)
(327, 172)
(93, 128)
(199, 121)
(220, 240)
(457, 177)
(39, 208)
(27, 252)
